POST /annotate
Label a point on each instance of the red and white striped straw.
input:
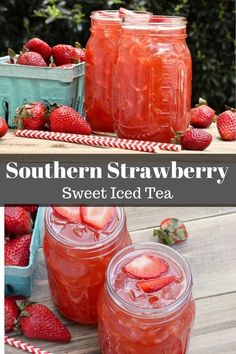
(100, 141)
(24, 346)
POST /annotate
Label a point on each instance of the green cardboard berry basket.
(20, 84)
(19, 280)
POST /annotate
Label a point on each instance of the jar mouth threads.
(106, 15)
(89, 246)
(163, 25)
(165, 252)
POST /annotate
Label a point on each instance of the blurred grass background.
(211, 29)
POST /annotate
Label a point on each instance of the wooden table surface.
(10, 144)
(210, 250)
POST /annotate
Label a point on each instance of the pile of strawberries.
(19, 222)
(40, 116)
(36, 52)
(202, 116)
(33, 320)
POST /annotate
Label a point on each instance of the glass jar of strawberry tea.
(100, 57)
(78, 245)
(152, 80)
(146, 306)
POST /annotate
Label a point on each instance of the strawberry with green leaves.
(17, 251)
(196, 139)
(31, 116)
(193, 139)
(17, 221)
(36, 321)
(202, 115)
(171, 231)
(226, 124)
(64, 119)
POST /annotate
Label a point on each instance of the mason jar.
(152, 80)
(100, 58)
(146, 316)
(76, 264)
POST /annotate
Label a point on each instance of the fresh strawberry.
(80, 53)
(171, 231)
(11, 312)
(31, 116)
(39, 46)
(202, 115)
(65, 119)
(145, 267)
(17, 251)
(31, 58)
(150, 286)
(31, 208)
(3, 127)
(97, 217)
(226, 124)
(64, 54)
(17, 221)
(195, 139)
(71, 214)
(38, 322)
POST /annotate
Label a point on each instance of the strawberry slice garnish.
(145, 267)
(149, 286)
(97, 217)
(71, 214)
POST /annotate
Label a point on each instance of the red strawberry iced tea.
(78, 245)
(100, 55)
(147, 305)
(100, 58)
(152, 80)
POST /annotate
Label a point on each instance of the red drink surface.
(152, 84)
(145, 322)
(76, 257)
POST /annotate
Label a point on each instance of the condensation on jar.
(138, 328)
(152, 80)
(76, 269)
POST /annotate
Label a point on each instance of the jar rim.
(101, 15)
(90, 246)
(156, 312)
(159, 22)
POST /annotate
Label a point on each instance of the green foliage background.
(211, 29)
